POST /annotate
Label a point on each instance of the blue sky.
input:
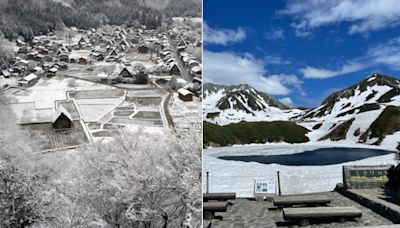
(300, 51)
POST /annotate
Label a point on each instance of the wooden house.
(52, 71)
(196, 71)
(29, 80)
(83, 61)
(174, 69)
(127, 75)
(113, 53)
(182, 43)
(6, 73)
(62, 120)
(185, 95)
(83, 42)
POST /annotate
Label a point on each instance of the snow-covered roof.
(53, 70)
(30, 77)
(196, 69)
(184, 92)
(102, 75)
(59, 111)
(6, 73)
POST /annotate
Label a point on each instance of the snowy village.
(101, 126)
(84, 85)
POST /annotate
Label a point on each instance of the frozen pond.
(238, 175)
(321, 156)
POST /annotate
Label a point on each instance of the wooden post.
(279, 183)
(207, 182)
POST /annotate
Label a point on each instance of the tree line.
(27, 18)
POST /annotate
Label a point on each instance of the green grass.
(212, 115)
(339, 132)
(253, 132)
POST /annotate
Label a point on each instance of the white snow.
(235, 116)
(237, 176)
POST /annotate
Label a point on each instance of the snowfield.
(237, 176)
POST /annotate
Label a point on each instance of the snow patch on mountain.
(224, 105)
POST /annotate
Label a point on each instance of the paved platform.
(252, 214)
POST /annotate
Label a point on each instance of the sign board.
(264, 187)
(364, 177)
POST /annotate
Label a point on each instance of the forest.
(27, 18)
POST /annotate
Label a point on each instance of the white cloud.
(275, 34)
(364, 16)
(287, 101)
(321, 73)
(231, 69)
(223, 36)
(387, 54)
(275, 60)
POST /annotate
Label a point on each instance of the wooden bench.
(209, 209)
(307, 200)
(304, 214)
(219, 196)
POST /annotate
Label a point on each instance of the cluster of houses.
(166, 62)
(45, 56)
(36, 59)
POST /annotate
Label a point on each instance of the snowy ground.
(186, 115)
(236, 176)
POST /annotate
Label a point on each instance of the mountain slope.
(232, 104)
(367, 112)
(362, 113)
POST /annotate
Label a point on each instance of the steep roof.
(58, 112)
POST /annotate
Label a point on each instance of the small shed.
(62, 120)
(185, 95)
(6, 73)
(83, 61)
(52, 71)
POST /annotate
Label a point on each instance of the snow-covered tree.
(134, 180)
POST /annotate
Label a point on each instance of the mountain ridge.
(359, 113)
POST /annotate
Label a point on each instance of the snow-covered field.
(237, 176)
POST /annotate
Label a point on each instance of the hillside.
(233, 104)
(27, 18)
(366, 112)
(253, 132)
